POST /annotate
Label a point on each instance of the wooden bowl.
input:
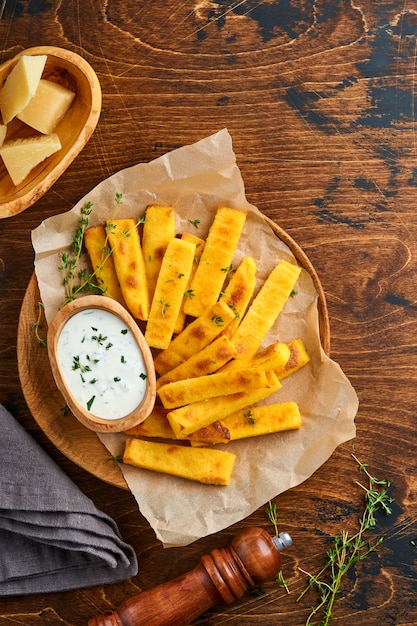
(99, 348)
(74, 130)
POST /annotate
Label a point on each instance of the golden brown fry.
(99, 252)
(196, 336)
(128, 260)
(216, 260)
(263, 420)
(158, 230)
(265, 308)
(273, 357)
(204, 465)
(199, 247)
(181, 392)
(169, 293)
(239, 292)
(192, 417)
(208, 360)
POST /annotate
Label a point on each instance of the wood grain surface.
(319, 99)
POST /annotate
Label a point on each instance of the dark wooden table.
(319, 99)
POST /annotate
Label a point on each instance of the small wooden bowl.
(74, 130)
(100, 424)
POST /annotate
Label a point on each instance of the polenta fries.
(206, 325)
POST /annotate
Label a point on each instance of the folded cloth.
(52, 537)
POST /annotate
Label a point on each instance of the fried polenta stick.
(158, 230)
(263, 420)
(273, 357)
(199, 247)
(128, 260)
(99, 252)
(181, 392)
(196, 336)
(192, 417)
(208, 360)
(204, 465)
(169, 293)
(216, 260)
(239, 292)
(265, 308)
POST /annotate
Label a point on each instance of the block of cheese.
(47, 107)
(20, 156)
(21, 85)
(3, 131)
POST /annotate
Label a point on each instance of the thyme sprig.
(77, 280)
(349, 549)
(38, 325)
(272, 515)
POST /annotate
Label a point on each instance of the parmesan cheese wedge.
(47, 107)
(21, 85)
(20, 156)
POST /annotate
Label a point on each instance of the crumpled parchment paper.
(196, 180)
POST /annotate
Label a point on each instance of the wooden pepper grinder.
(224, 574)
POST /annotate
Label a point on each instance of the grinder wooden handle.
(224, 574)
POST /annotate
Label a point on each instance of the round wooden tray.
(45, 402)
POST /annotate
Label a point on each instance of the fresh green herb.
(293, 293)
(164, 307)
(109, 345)
(124, 331)
(77, 280)
(272, 514)
(70, 260)
(115, 459)
(64, 410)
(77, 365)
(249, 418)
(122, 359)
(179, 275)
(195, 223)
(143, 376)
(218, 320)
(227, 269)
(348, 549)
(38, 325)
(117, 379)
(90, 402)
(190, 293)
(99, 338)
(93, 381)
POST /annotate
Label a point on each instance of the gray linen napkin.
(52, 537)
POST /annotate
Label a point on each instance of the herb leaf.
(349, 549)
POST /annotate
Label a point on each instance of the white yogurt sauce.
(102, 363)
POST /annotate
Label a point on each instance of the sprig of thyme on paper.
(77, 280)
(348, 549)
